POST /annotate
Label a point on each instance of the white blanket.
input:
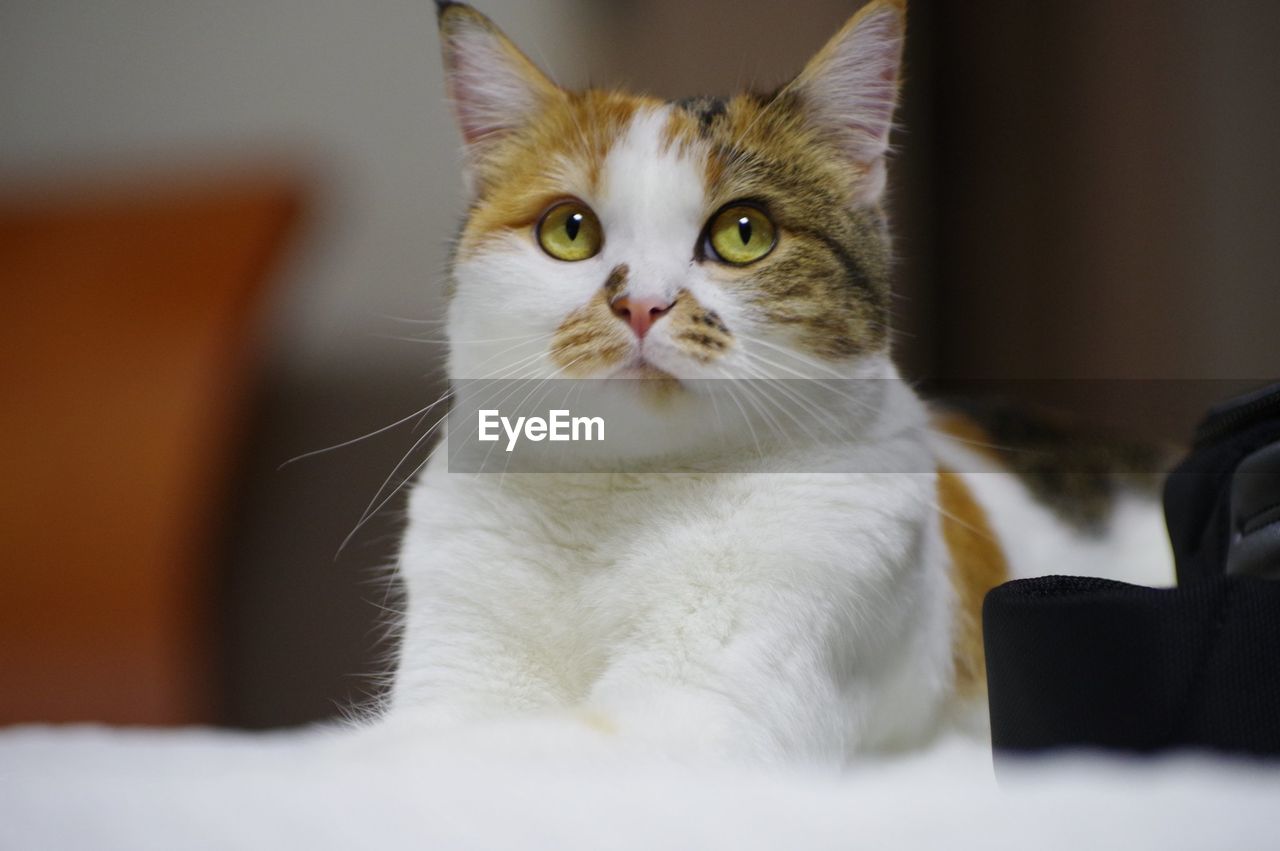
(98, 788)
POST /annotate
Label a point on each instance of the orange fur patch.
(565, 145)
(590, 339)
(967, 432)
(978, 564)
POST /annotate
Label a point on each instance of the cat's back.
(1060, 496)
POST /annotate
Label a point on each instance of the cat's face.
(614, 235)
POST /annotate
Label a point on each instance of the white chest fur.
(762, 614)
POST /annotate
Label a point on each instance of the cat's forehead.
(619, 151)
(649, 176)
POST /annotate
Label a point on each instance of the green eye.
(741, 235)
(570, 231)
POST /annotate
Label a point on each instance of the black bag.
(1083, 662)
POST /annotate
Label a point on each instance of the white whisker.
(374, 433)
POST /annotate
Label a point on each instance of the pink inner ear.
(476, 124)
(857, 88)
(487, 83)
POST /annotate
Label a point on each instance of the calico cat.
(774, 612)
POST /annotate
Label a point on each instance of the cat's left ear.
(850, 88)
(494, 87)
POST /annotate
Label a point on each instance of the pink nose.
(640, 313)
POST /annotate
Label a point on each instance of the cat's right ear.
(849, 90)
(494, 87)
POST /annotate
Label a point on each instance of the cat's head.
(612, 234)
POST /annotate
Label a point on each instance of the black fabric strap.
(1075, 661)
(1080, 662)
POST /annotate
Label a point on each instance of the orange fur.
(590, 339)
(964, 430)
(565, 144)
(977, 565)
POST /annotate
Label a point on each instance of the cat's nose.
(640, 313)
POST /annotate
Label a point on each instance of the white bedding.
(99, 788)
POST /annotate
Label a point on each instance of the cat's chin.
(644, 371)
(652, 384)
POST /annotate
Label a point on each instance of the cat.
(777, 612)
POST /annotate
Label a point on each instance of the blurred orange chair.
(126, 342)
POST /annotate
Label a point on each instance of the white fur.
(1132, 547)
(763, 615)
(102, 790)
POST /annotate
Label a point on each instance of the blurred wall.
(1082, 190)
(1105, 202)
(1102, 202)
(349, 93)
